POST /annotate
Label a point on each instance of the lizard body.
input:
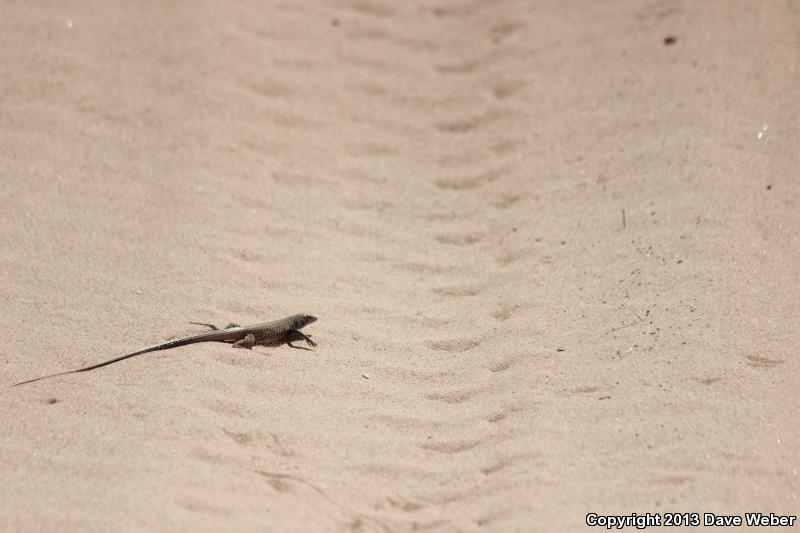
(274, 333)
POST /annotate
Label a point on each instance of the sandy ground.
(443, 185)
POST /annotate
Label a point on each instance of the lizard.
(285, 330)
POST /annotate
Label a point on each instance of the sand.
(443, 184)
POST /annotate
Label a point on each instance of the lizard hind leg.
(212, 326)
(248, 341)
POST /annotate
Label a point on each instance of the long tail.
(98, 365)
(211, 335)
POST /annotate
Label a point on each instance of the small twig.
(612, 330)
(623, 219)
(631, 310)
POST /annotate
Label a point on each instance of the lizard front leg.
(299, 336)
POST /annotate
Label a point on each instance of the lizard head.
(302, 320)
